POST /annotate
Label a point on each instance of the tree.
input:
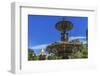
(52, 57)
(31, 54)
(83, 53)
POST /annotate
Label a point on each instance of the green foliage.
(31, 55)
(52, 57)
(76, 54)
(82, 53)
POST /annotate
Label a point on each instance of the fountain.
(64, 48)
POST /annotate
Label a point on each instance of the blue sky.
(41, 30)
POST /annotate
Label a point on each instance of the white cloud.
(83, 41)
(40, 46)
(76, 37)
(81, 38)
(70, 38)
